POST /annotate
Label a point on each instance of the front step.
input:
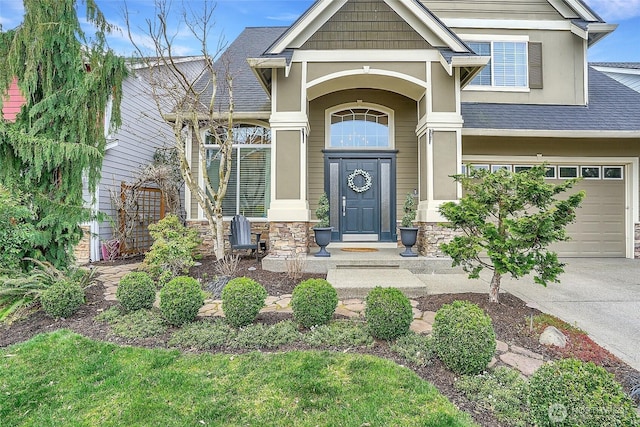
(357, 282)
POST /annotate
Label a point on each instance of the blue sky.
(233, 15)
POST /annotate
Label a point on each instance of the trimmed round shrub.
(463, 337)
(180, 300)
(62, 299)
(136, 290)
(313, 302)
(242, 299)
(570, 392)
(388, 313)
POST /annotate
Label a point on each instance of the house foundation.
(288, 238)
(430, 236)
(82, 251)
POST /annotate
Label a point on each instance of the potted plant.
(323, 230)
(408, 233)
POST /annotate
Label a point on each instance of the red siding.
(12, 102)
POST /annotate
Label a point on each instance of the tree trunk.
(219, 244)
(494, 288)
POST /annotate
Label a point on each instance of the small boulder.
(552, 336)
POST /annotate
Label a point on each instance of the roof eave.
(548, 133)
(597, 31)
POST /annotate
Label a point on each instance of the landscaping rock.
(526, 353)
(552, 336)
(524, 364)
(501, 347)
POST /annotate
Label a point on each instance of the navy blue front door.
(360, 203)
(361, 190)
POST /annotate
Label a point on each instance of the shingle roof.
(248, 93)
(612, 107)
(626, 65)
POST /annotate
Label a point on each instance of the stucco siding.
(563, 60)
(405, 139)
(289, 89)
(287, 164)
(444, 90)
(493, 9)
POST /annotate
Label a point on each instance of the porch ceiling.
(413, 89)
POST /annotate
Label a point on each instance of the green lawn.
(63, 379)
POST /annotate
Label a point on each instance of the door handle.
(344, 205)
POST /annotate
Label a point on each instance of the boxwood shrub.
(136, 290)
(463, 337)
(388, 313)
(180, 300)
(313, 302)
(570, 392)
(242, 299)
(62, 299)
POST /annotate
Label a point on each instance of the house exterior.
(371, 100)
(129, 149)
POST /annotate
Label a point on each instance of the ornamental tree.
(191, 99)
(507, 221)
(57, 139)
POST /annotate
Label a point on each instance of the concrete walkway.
(599, 295)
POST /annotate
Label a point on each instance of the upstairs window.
(508, 67)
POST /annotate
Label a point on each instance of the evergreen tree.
(58, 137)
(507, 222)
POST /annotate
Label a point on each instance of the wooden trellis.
(143, 206)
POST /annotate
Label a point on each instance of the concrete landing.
(357, 282)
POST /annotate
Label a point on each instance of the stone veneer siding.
(206, 247)
(637, 242)
(289, 238)
(430, 236)
(82, 251)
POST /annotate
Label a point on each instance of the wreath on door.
(367, 181)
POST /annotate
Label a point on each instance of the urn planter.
(408, 236)
(323, 238)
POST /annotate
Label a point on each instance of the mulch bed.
(511, 320)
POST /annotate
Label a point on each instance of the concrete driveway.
(601, 296)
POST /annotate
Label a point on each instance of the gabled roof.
(613, 107)
(413, 12)
(248, 94)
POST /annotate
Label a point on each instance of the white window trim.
(496, 168)
(577, 169)
(358, 105)
(498, 39)
(591, 167)
(606, 178)
(234, 147)
(555, 172)
(521, 166)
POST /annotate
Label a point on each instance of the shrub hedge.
(313, 302)
(463, 337)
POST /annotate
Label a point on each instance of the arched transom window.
(360, 127)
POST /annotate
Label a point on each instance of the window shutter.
(535, 65)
